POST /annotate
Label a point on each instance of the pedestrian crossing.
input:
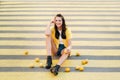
(95, 29)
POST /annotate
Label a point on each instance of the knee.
(67, 51)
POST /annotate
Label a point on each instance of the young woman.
(58, 42)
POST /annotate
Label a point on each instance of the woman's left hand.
(67, 50)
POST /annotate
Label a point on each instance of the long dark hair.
(57, 34)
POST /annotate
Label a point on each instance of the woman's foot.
(49, 62)
(55, 69)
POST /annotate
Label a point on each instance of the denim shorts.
(60, 48)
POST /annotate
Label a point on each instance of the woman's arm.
(48, 31)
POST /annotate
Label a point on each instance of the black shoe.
(49, 62)
(55, 69)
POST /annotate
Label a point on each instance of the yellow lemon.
(86, 61)
(65, 51)
(26, 52)
(41, 65)
(78, 54)
(83, 62)
(31, 66)
(37, 60)
(77, 67)
(81, 68)
(67, 69)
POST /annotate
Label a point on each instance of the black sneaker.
(49, 62)
(55, 69)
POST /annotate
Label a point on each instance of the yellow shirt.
(65, 41)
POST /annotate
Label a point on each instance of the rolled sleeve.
(69, 33)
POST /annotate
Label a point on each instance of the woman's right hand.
(52, 21)
(48, 31)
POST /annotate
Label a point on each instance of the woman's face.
(58, 22)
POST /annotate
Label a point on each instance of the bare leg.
(54, 48)
(51, 48)
(48, 45)
(63, 57)
(55, 69)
